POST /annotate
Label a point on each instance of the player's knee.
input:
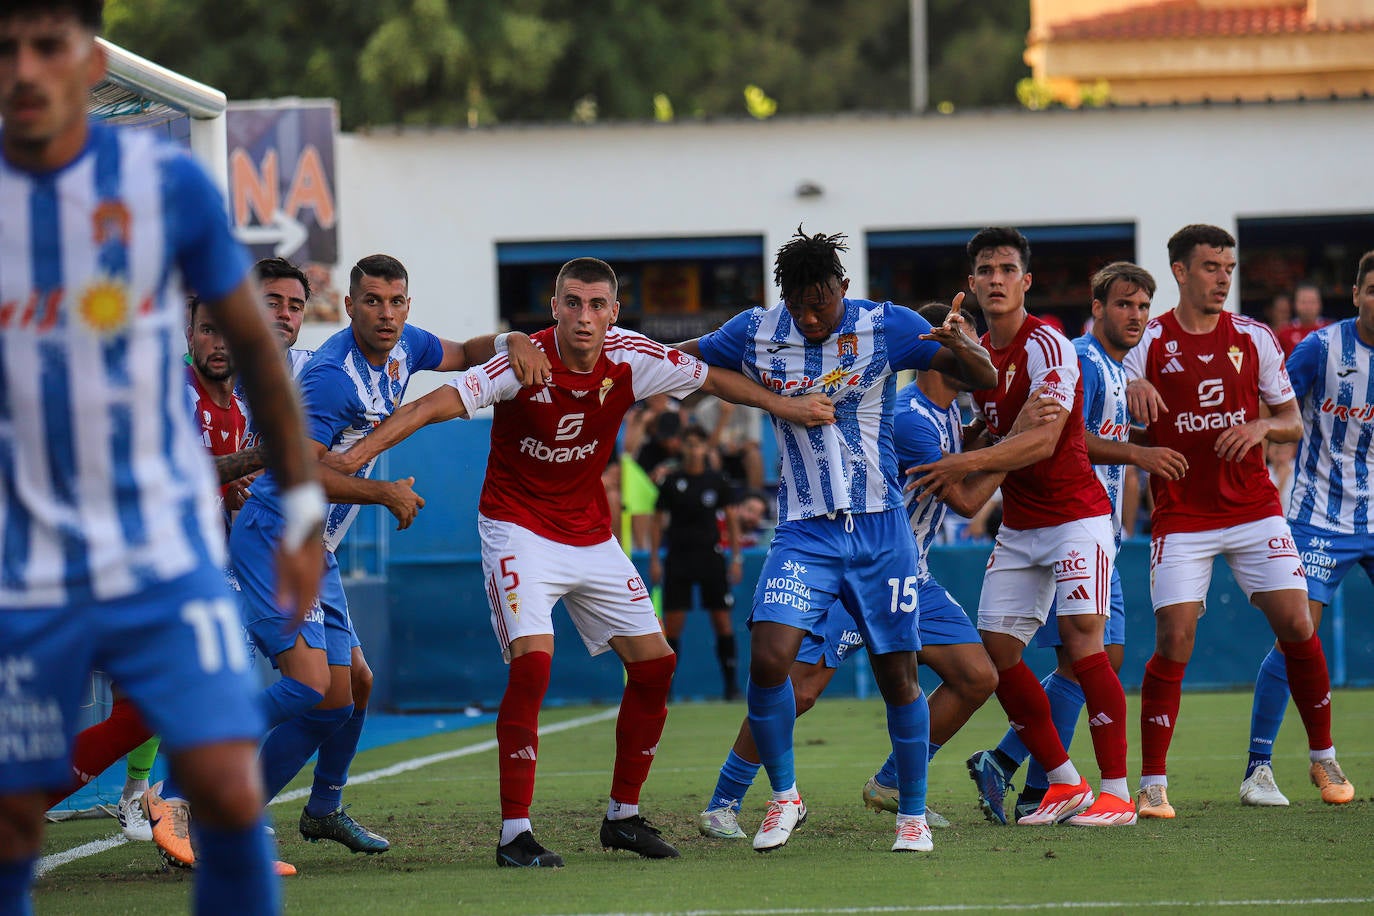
(21, 826)
(806, 697)
(976, 682)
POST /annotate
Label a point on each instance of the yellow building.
(1198, 50)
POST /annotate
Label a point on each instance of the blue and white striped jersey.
(296, 359)
(105, 489)
(345, 398)
(1105, 414)
(1334, 384)
(850, 465)
(925, 433)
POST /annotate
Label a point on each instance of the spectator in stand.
(1307, 317)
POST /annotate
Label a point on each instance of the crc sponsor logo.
(1362, 414)
(569, 426)
(562, 455)
(1073, 566)
(635, 586)
(1283, 543)
(1189, 422)
(1210, 392)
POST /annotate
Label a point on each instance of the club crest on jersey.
(1236, 356)
(513, 600)
(104, 306)
(606, 386)
(848, 345)
(1011, 374)
(111, 222)
(393, 370)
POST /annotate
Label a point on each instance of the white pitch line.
(1000, 907)
(48, 863)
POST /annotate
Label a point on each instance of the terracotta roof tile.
(1189, 19)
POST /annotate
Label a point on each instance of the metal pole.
(920, 58)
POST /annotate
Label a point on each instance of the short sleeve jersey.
(925, 432)
(345, 398)
(1105, 413)
(104, 487)
(296, 359)
(221, 428)
(693, 503)
(1061, 488)
(1333, 378)
(1210, 382)
(550, 443)
(850, 465)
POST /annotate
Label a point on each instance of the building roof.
(1174, 19)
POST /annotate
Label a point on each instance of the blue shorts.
(867, 562)
(252, 552)
(1327, 557)
(174, 649)
(942, 623)
(1047, 637)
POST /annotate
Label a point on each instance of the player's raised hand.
(403, 502)
(953, 332)
(814, 409)
(528, 362)
(1144, 401)
(1162, 462)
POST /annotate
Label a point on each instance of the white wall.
(440, 200)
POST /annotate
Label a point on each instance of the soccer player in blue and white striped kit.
(112, 548)
(842, 532)
(1333, 380)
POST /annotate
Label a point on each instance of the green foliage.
(451, 62)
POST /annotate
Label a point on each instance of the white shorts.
(527, 574)
(1261, 554)
(1068, 565)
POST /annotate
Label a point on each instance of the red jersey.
(221, 428)
(1291, 334)
(1061, 488)
(550, 443)
(1210, 382)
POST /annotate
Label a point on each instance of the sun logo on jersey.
(104, 306)
(1236, 356)
(831, 380)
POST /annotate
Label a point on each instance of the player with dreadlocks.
(842, 533)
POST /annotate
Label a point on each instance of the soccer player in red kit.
(1197, 379)
(1056, 543)
(546, 533)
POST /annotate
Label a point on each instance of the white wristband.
(502, 343)
(302, 508)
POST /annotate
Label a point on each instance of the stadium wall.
(442, 199)
(427, 633)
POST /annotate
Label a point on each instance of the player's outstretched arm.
(398, 496)
(961, 356)
(530, 364)
(807, 410)
(1144, 401)
(300, 554)
(1013, 452)
(1159, 461)
(439, 405)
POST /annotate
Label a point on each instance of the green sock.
(140, 760)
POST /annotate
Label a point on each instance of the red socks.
(517, 731)
(1310, 685)
(1106, 712)
(643, 710)
(1028, 711)
(98, 747)
(1160, 692)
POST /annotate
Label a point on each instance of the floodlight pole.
(920, 58)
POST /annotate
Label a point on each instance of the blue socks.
(292, 743)
(736, 776)
(331, 769)
(1266, 715)
(909, 728)
(15, 878)
(887, 773)
(286, 699)
(772, 716)
(234, 871)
